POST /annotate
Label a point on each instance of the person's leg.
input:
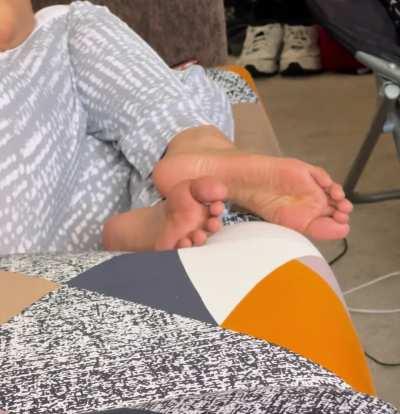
(284, 191)
(216, 106)
(167, 119)
(188, 215)
(210, 97)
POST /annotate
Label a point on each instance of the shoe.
(261, 49)
(300, 54)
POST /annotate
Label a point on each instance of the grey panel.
(155, 279)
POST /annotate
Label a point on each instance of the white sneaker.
(261, 49)
(300, 53)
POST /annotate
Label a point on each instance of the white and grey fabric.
(87, 109)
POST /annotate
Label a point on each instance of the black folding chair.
(365, 28)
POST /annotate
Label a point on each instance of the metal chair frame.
(386, 120)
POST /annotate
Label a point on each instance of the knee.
(16, 23)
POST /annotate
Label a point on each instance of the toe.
(216, 208)
(340, 217)
(321, 176)
(184, 243)
(345, 206)
(213, 225)
(336, 192)
(326, 228)
(208, 189)
(198, 237)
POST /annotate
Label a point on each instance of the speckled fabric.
(236, 88)
(178, 30)
(59, 268)
(76, 351)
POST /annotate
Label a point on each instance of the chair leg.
(396, 138)
(358, 166)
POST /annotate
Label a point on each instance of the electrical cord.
(383, 363)
(369, 311)
(341, 254)
(373, 282)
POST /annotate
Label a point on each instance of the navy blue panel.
(155, 279)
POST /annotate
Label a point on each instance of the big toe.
(326, 228)
(208, 189)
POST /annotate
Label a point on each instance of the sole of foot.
(284, 191)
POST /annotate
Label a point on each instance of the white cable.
(364, 285)
(374, 311)
(372, 282)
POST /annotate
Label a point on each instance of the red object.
(335, 57)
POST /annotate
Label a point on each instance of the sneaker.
(300, 54)
(261, 49)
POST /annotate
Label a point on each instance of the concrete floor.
(322, 120)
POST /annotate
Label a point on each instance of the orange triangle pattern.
(295, 308)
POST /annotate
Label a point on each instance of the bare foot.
(284, 191)
(192, 208)
(188, 215)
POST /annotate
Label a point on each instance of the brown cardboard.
(18, 292)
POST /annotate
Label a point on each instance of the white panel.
(237, 258)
